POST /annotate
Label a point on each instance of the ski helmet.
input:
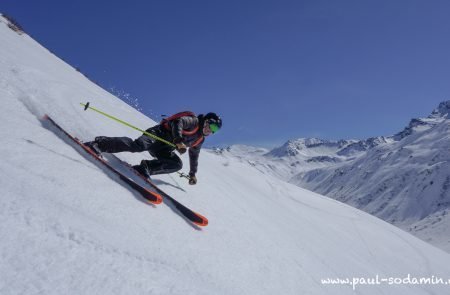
(214, 121)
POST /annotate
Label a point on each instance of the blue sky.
(274, 70)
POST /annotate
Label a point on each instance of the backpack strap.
(198, 141)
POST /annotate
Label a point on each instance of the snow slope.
(67, 226)
(405, 182)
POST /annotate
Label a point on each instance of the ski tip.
(157, 198)
(156, 201)
(203, 220)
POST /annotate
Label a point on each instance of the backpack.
(165, 121)
(177, 116)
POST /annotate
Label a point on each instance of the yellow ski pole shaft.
(87, 106)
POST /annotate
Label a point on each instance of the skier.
(183, 129)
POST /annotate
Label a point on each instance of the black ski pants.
(166, 161)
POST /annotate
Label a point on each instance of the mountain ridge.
(366, 173)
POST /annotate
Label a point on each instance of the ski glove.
(192, 179)
(181, 148)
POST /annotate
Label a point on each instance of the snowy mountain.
(68, 226)
(403, 179)
(360, 146)
(307, 147)
(286, 161)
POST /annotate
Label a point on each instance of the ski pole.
(87, 106)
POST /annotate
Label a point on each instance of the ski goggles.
(214, 127)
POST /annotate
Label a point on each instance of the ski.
(147, 194)
(192, 216)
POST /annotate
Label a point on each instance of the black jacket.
(189, 130)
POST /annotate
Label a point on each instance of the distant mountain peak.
(293, 146)
(442, 111)
(298, 146)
